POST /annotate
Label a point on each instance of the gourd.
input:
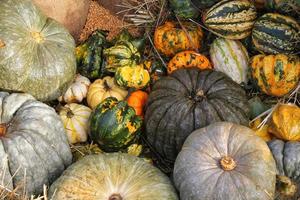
(34, 147)
(36, 52)
(261, 131)
(100, 89)
(156, 70)
(186, 59)
(225, 161)
(113, 176)
(77, 90)
(171, 37)
(276, 75)
(189, 99)
(184, 8)
(75, 118)
(137, 100)
(231, 58)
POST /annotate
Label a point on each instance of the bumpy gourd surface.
(37, 53)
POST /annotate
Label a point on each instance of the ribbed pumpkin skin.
(274, 33)
(36, 53)
(277, 74)
(114, 125)
(35, 140)
(231, 19)
(198, 171)
(189, 99)
(99, 177)
(231, 58)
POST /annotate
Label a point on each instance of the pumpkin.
(114, 125)
(79, 151)
(75, 118)
(184, 8)
(170, 38)
(274, 33)
(132, 76)
(36, 53)
(77, 90)
(156, 70)
(284, 122)
(231, 19)
(225, 161)
(137, 100)
(287, 157)
(261, 131)
(189, 99)
(188, 59)
(277, 74)
(89, 55)
(34, 149)
(112, 176)
(257, 107)
(103, 88)
(231, 58)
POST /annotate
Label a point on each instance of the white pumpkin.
(75, 118)
(231, 58)
(77, 90)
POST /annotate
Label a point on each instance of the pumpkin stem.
(106, 86)
(115, 197)
(70, 114)
(227, 163)
(37, 36)
(199, 95)
(3, 128)
(285, 186)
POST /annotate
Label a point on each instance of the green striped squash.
(274, 33)
(114, 125)
(184, 8)
(231, 58)
(231, 19)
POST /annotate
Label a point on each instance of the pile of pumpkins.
(193, 112)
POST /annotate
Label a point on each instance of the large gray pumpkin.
(225, 161)
(36, 53)
(32, 139)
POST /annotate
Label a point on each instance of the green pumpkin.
(114, 125)
(89, 55)
(156, 70)
(184, 8)
(257, 107)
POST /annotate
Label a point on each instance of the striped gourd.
(231, 19)
(231, 58)
(274, 33)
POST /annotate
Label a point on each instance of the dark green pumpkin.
(189, 99)
(114, 125)
(184, 8)
(274, 33)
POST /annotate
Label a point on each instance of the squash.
(112, 176)
(290, 7)
(156, 70)
(261, 131)
(75, 118)
(274, 33)
(257, 107)
(34, 148)
(170, 38)
(231, 19)
(231, 58)
(184, 8)
(135, 76)
(79, 151)
(187, 59)
(77, 90)
(36, 53)
(287, 157)
(189, 99)
(89, 55)
(284, 122)
(114, 125)
(137, 100)
(103, 88)
(276, 75)
(225, 161)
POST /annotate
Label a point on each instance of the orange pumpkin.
(137, 100)
(187, 59)
(262, 132)
(171, 38)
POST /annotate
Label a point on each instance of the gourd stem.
(115, 197)
(285, 186)
(199, 95)
(227, 163)
(3, 128)
(70, 114)
(106, 86)
(37, 36)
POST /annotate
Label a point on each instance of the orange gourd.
(137, 100)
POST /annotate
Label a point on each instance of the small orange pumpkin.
(171, 38)
(137, 100)
(187, 59)
(262, 132)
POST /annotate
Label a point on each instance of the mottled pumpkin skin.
(137, 100)
(184, 8)
(170, 38)
(112, 177)
(34, 140)
(277, 74)
(114, 125)
(186, 59)
(200, 174)
(285, 122)
(36, 52)
(189, 99)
